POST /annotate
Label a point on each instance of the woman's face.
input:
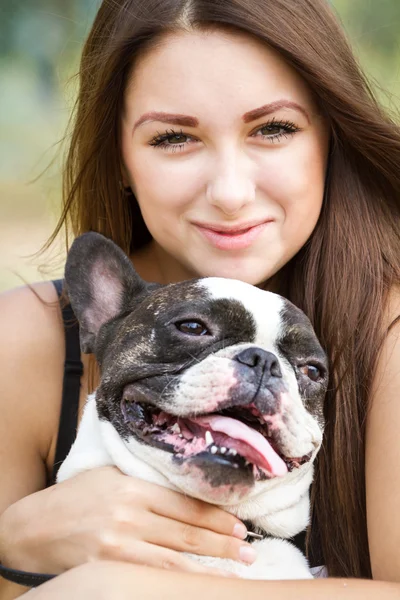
(225, 150)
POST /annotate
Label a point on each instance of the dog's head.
(214, 382)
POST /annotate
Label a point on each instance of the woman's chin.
(252, 268)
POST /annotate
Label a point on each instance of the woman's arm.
(119, 581)
(383, 456)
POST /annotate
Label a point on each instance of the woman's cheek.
(165, 195)
(166, 180)
(295, 180)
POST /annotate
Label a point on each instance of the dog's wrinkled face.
(214, 382)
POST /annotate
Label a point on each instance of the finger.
(191, 511)
(151, 555)
(185, 537)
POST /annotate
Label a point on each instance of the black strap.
(24, 577)
(73, 370)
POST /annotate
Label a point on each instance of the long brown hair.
(342, 276)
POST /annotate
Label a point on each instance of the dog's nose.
(262, 360)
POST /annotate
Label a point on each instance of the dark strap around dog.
(255, 533)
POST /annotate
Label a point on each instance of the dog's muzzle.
(237, 437)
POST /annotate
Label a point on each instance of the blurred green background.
(40, 43)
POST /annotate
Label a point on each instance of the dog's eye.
(192, 328)
(312, 372)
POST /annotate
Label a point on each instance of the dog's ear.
(101, 283)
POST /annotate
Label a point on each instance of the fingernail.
(247, 554)
(240, 531)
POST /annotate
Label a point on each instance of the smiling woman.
(232, 139)
(236, 189)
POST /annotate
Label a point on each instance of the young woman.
(234, 138)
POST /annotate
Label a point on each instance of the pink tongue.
(239, 431)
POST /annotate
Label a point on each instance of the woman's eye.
(192, 328)
(275, 130)
(178, 138)
(312, 372)
(171, 140)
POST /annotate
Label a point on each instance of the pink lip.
(236, 238)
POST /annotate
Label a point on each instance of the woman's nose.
(232, 186)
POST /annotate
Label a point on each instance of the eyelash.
(161, 139)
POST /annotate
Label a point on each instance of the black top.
(73, 370)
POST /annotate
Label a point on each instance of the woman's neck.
(154, 264)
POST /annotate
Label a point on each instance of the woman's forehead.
(207, 70)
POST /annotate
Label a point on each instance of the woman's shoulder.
(39, 300)
(31, 327)
(31, 363)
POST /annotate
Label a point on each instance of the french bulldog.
(210, 387)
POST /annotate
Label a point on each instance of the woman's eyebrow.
(187, 121)
(267, 109)
(163, 117)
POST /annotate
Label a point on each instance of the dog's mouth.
(237, 436)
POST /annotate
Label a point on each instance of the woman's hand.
(104, 515)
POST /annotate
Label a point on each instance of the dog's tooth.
(180, 435)
(213, 449)
(175, 428)
(209, 438)
(222, 449)
(232, 452)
